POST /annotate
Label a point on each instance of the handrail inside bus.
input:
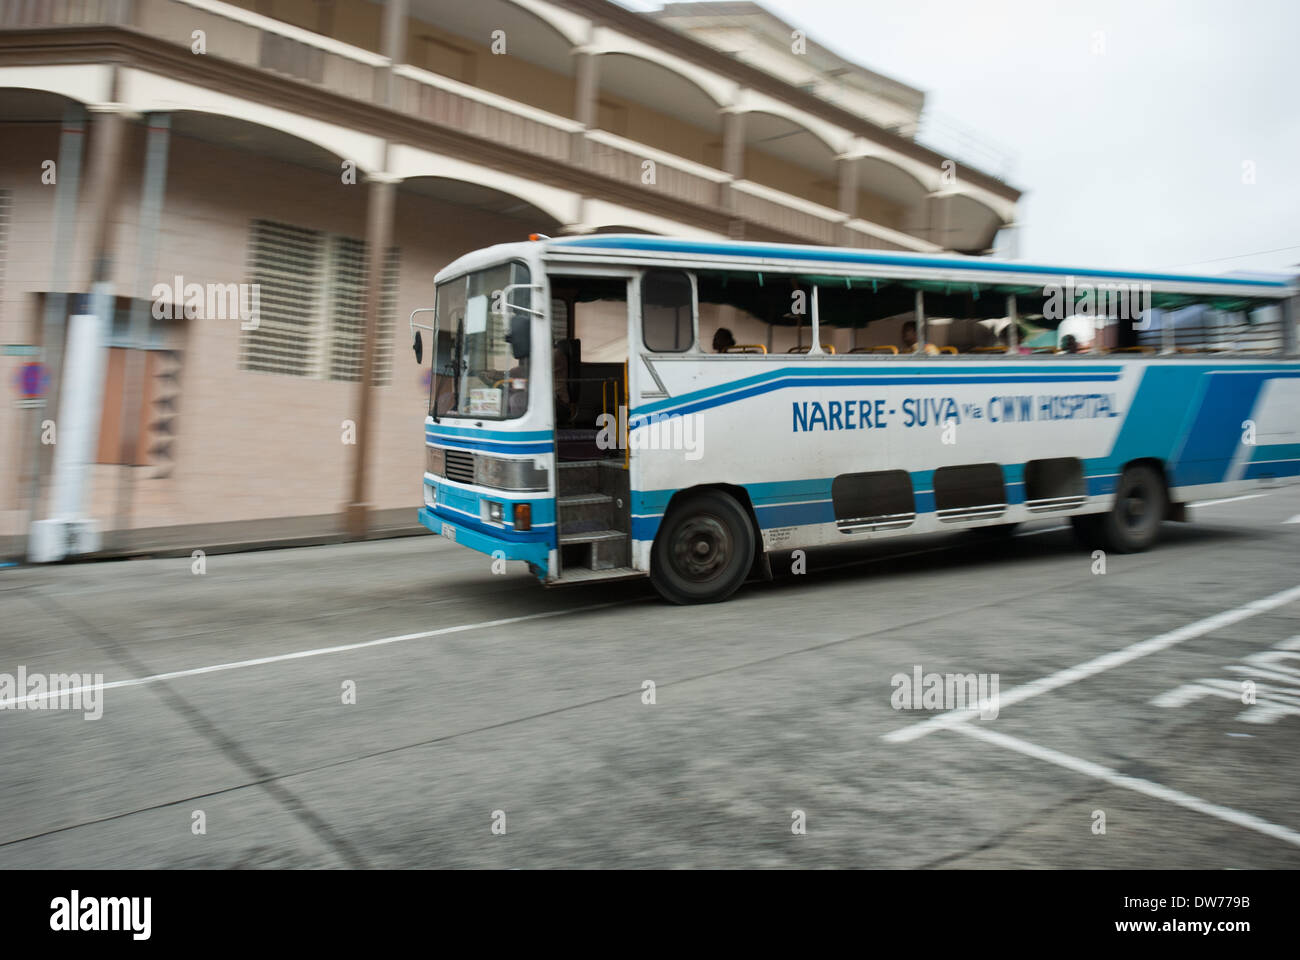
(510, 288)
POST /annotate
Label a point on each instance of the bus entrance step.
(594, 549)
(579, 476)
(583, 512)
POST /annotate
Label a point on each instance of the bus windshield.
(475, 373)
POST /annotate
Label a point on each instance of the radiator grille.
(460, 466)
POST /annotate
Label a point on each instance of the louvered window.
(348, 311)
(312, 296)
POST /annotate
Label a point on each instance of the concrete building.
(169, 156)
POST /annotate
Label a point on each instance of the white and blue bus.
(612, 406)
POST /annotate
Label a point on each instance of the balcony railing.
(239, 35)
(788, 214)
(16, 14)
(479, 113)
(621, 159)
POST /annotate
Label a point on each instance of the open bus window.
(772, 312)
(1138, 322)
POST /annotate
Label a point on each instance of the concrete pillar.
(848, 177)
(940, 223)
(68, 531)
(586, 100)
(847, 170)
(393, 47)
(379, 237)
(381, 189)
(67, 187)
(733, 143)
(733, 163)
(152, 190)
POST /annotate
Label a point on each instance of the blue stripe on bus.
(808, 501)
(489, 542)
(1208, 407)
(467, 502)
(682, 405)
(457, 443)
(1276, 451)
(483, 433)
(923, 374)
(751, 251)
(1280, 468)
(546, 535)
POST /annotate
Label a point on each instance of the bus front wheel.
(1133, 522)
(704, 549)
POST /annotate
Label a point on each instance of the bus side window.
(667, 321)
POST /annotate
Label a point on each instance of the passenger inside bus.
(909, 340)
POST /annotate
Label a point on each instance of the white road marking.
(1115, 778)
(1295, 519)
(303, 654)
(1100, 664)
(1214, 503)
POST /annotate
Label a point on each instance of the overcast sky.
(1133, 157)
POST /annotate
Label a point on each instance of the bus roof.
(950, 267)
(649, 249)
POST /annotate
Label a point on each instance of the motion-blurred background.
(172, 155)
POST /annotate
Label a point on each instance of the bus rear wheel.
(1133, 522)
(704, 549)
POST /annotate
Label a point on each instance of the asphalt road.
(485, 700)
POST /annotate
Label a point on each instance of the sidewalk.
(235, 536)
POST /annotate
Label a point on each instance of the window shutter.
(288, 263)
(347, 309)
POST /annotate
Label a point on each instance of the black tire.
(1141, 502)
(704, 549)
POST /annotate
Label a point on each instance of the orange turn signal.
(523, 516)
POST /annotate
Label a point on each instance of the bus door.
(589, 323)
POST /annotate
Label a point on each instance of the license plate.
(449, 531)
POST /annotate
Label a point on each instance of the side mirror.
(419, 347)
(520, 336)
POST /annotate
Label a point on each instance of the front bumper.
(534, 552)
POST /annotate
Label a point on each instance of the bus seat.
(747, 348)
(882, 348)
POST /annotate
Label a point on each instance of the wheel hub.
(701, 548)
(1135, 508)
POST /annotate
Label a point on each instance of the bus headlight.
(435, 461)
(508, 474)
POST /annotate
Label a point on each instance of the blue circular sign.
(33, 378)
